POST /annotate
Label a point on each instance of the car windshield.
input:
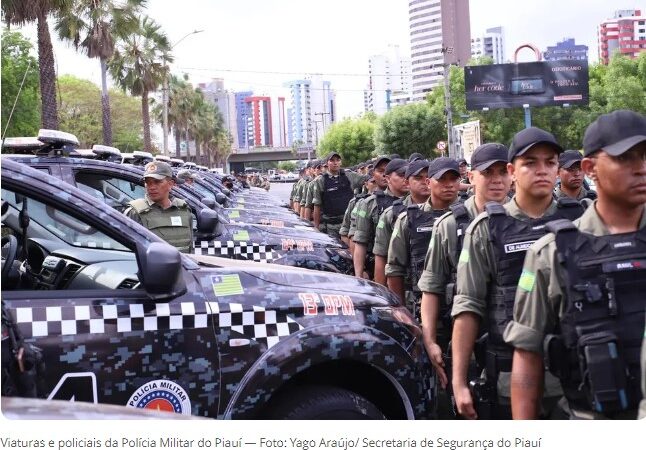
(63, 226)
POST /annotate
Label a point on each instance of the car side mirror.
(161, 270)
(209, 202)
(220, 198)
(207, 220)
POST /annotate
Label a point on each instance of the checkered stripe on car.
(259, 324)
(265, 326)
(247, 250)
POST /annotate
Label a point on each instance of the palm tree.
(19, 12)
(139, 65)
(94, 25)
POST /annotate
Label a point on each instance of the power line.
(269, 72)
(255, 83)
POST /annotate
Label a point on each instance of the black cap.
(487, 154)
(615, 133)
(381, 159)
(331, 154)
(397, 165)
(415, 157)
(462, 161)
(370, 176)
(528, 138)
(568, 158)
(439, 166)
(415, 167)
(395, 156)
(317, 163)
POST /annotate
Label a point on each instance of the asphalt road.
(281, 190)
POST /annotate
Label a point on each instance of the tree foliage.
(408, 129)
(18, 60)
(81, 114)
(353, 139)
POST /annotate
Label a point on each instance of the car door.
(103, 339)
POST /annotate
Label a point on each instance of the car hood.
(364, 292)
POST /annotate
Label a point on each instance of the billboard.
(542, 83)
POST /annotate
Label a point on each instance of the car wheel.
(322, 403)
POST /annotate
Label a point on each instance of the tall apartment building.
(566, 49)
(225, 102)
(625, 33)
(389, 82)
(491, 43)
(243, 118)
(440, 34)
(312, 109)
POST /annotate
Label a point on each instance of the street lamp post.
(165, 95)
(447, 102)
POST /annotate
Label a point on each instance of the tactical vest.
(383, 201)
(462, 221)
(162, 223)
(602, 327)
(510, 239)
(398, 208)
(337, 192)
(420, 230)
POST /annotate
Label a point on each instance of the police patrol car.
(123, 318)
(117, 184)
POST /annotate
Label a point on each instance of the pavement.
(281, 190)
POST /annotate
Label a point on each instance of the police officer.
(580, 300)
(348, 226)
(465, 184)
(572, 177)
(186, 176)
(430, 198)
(167, 217)
(331, 194)
(489, 268)
(386, 224)
(315, 171)
(390, 175)
(302, 188)
(491, 180)
(295, 187)
(296, 191)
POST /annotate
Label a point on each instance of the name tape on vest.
(518, 246)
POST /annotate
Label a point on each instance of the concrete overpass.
(251, 157)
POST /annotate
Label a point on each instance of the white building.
(439, 34)
(312, 107)
(225, 101)
(389, 82)
(491, 43)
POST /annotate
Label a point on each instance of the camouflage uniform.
(173, 224)
(541, 298)
(368, 214)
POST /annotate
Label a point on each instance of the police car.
(123, 318)
(208, 194)
(117, 184)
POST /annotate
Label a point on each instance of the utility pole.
(447, 101)
(322, 121)
(165, 95)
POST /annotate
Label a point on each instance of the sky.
(260, 44)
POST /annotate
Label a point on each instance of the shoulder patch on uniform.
(362, 213)
(526, 281)
(381, 223)
(464, 256)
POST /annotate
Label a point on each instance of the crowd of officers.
(529, 290)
